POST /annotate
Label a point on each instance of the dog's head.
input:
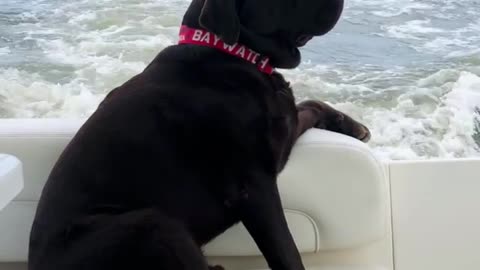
(275, 28)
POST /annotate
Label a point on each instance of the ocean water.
(410, 70)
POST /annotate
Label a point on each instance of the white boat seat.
(11, 179)
(334, 191)
(335, 195)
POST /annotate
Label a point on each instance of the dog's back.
(181, 137)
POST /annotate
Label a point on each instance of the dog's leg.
(144, 239)
(262, 214)
(307, 119)
(320, 115)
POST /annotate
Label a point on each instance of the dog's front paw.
(345, 124)
(216, 267)
(337, 121)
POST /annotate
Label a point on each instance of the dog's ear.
(220, 17)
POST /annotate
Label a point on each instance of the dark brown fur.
(173, 158)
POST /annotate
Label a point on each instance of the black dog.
(189, 147)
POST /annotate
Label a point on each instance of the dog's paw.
(216, 267)
(348, 126)
(337, 121)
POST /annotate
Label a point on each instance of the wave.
(60, 59)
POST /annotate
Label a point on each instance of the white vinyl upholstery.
(11, 179)
(338, 185)
(333, 189)
(337, 181)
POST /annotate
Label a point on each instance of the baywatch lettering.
(264, 63)
(197, 35)
(229, 48)
(217, 39)
(201, 37)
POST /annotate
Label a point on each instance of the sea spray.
(410, 71)
(476, 134)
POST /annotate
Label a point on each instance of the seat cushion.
(11, 179)
(237, 242)
(338, 182)
(333, 189)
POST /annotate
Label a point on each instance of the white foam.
(411, 29)
(444, 130)
(96, 46)
(392, 11)
(473, 53)
(40, 98)
(103, 44)
(432, 119)
(465, 94)
(4, 51)
(439, 78)
(444, 44)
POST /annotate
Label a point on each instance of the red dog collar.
(204, 38)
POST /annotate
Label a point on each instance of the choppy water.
(409, 69)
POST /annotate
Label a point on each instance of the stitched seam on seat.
(314, 225)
